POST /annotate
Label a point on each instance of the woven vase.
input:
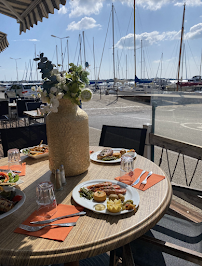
(68, 138)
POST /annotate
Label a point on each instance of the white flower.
(39, 89)
(63, 80)
(54, 72)
(53, 89)
(73, 94)
(33, 88)
(66, 88)
(60, 95)
(86, 95)
(33, 95)
(44, 97)
(58, 77)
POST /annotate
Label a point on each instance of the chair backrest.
(12, 99)
(23, 137)
(3, 107)
(123, 137)
(33, 105)
(21, 106)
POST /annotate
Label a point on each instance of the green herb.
(88, 194)
(109, 158)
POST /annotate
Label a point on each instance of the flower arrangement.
(58, 85)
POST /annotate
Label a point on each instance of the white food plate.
(24, 151)
(93, 156)
(131, 194)
(17, 206)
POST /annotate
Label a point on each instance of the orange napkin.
(17, 168)
(152, 180)
(54, 233)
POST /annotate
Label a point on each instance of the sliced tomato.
(17, 198)
(4, 175)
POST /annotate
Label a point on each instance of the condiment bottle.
(58, 182)
(62, 174)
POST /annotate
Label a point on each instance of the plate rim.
(75, 191)
(17, 206)
(113, 161)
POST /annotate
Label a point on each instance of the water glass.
(127, 169)
(14, 160)
(46, 201)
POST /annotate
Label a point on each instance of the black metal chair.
(172, 241)
(21, 107)
(123, 137)
(22, 137)
(33, 106)
(4, 113)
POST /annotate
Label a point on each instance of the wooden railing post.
(147, 149)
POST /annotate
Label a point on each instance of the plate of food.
(106, 196)
(11, 199)
(36, 152)
(111, 155)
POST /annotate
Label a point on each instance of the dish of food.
(36, 152)
(111, 155)
(9, 177)
(11, 199)
(127, 197)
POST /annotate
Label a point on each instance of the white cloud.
(83, 24)
(62, 10)
(157, 4)
(85, 7)
(33, 40)
(26, 40)
(148, 38)
(189, 3)
(195, 32)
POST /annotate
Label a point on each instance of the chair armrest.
(174, 250)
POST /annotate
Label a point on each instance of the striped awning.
(3, 41)
(29, 12)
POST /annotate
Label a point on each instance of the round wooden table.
(94, 233)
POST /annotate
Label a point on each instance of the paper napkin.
(151, 181)
(56, 233)
(17, 168)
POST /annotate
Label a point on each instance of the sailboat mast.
(126, 67)
(200, 66)
(113, 39)
(134, 45)
(84, 50)
(182, 32)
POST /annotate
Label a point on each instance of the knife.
(7, 170)
(58, 218)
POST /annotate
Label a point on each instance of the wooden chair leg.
(73, 263)
(127, 256)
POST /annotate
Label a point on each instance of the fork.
(37, 228)
(144, 182)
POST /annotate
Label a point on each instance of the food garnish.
(86, 193)
(10, 177)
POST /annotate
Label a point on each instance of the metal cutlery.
(144, 182)
(7, 170)
(58, 218)
(37, 228)
(138, 180)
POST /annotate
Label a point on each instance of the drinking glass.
(126, 169)
(14, 160)
(46, 201)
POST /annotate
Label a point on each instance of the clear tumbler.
(14, 160)
(46, 201)
(127, 170)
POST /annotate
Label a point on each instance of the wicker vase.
(68, 139)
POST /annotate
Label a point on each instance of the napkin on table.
(17, 168)
(54, 233)
(151, 181)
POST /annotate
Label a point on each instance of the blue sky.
(158, 25)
